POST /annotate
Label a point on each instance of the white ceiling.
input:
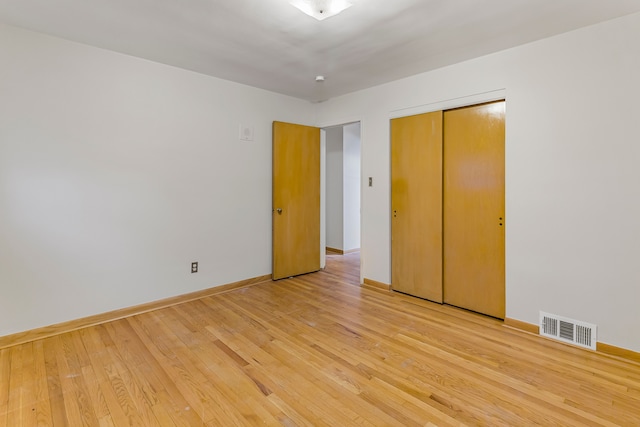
(271, 45)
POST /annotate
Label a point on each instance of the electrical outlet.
(194, 267)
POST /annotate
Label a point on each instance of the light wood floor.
(309, 351)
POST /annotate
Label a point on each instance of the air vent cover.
(571, 331)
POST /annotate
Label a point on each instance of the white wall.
(334, 188)
(572, 174)
(117, 172)
(351, 186)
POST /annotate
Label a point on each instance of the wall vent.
(571, 331)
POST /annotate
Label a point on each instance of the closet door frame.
(443, 105)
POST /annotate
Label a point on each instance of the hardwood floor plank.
(163, 369)
(206, 358)
(54, 385)
(28, 398)
(290, 415)
(74, 398)
(5, 381)
(42, 406)
(313, 350)
(343, 377)
(510, 394)
(16, 387)
(99, 348)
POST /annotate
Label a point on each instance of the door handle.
(279, 210)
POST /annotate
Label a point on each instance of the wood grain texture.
(523, 326)
(296, 199)
(618, 351)
(314, 350)
(416, 205)
(72, 325)
(474, 207)
(374, 284)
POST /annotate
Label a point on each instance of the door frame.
(448, 104)
(443, 105)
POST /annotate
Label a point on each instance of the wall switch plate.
(194, 267)
(370, 181)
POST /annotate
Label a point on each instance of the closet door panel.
(416, 205)
(474, 208)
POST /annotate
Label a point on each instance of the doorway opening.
(341, 195)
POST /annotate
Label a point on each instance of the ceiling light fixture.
(321, 9)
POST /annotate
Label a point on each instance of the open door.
(296, 200)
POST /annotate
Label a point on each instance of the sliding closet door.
(416, 205)
(473, 208)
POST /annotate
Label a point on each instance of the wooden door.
(473, 208)
(416, 205)
(296, 199)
